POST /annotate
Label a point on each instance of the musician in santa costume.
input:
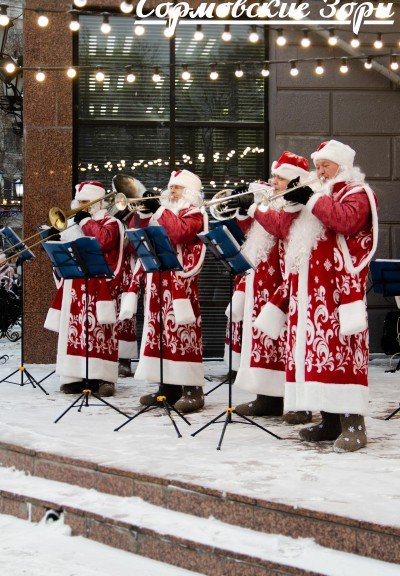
(179, 213)
(332, 235)
(262, 366)
(68, 311)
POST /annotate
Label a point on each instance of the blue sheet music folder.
(386, 277)
(12, 239)
(154, 249)
(81, 258)
(221, 242)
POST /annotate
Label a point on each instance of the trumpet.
(222, 198)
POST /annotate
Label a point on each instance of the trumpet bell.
(120, 202)
(221, 211)
(58, 219)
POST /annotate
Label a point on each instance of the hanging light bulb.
(213, 72)
(265, 70)
(4, 18)
(100, 76)
(199, 34)
(378, 44)
(294, 71)
(305, 41)
(333, 39)
(253, 36)
(185, 72)
(40, 76)
(168, 32)
(80, 3)
(71, 72)
(10, 67)
(239, 71)
(74, 24)
(105, 27)
(368, 63)
(281, 40)
(344, 68)
(394, 65)
(130, 76)
(355, 41)
(139, 30)
(319, 70)
(43, 21)
(156, 76)
(126, 6)
(226, 34)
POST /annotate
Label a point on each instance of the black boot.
(328, 429)
(192, 399)
(170, 391)
(353, 436)
(124, 368)
(262, 406)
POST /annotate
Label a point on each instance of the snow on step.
(301, 553)
(42, 548)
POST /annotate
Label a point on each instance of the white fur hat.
(336, 152)
(186, 179)
(290, 166)
(88, 191)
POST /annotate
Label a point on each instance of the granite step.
(261, 515)
(206, 546)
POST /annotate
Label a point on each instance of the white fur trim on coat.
(53, 319)
(352, 317)
(183, 311)
(128, 308)
(238, 299)
(105, 312)
(270, 320)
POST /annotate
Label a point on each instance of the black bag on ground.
(391, 333)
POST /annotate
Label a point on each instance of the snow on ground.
(39, 549)
(362, 485)
(303, 553)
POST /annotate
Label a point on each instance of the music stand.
(14, 244)
(221, 243)
(81, 259)
(156, 254)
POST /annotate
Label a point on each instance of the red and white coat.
(68, 311)
(262, 364)
(182, 335)
(330, 243)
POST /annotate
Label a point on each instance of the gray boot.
(262, 406)
(192, 399)
(124, 368)
(353, 436)
(328, 429)
(293, 418)
(170, 391)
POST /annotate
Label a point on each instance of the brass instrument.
(221, 199)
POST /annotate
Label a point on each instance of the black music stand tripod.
(229, 264)
(11, 239)
(75, 261)
(156, 254)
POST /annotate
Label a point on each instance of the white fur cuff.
(183, 311)
(52, 321)
(252, 209)
(105, 312)
(238, 299)
(313, 200)
(271, 320)
(129, 303)
(352, 318)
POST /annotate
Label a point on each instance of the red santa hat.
(336, 152)
(186, 179)
(290, 166)
(88, 191)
